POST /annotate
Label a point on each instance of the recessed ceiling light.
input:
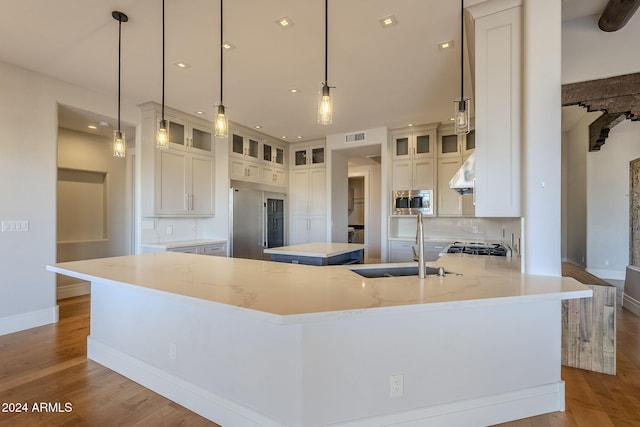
(200, 112)
(446, 45)
(227, 45)
(387, 21)
(452, 119)
(283, 137)
(410, 124)
(105, 124)
(258, 127)
(94, 127)
(299, 136)
(182, 65)
(284, 22)
(294, 90)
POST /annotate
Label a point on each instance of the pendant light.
(325, 105)
(119, 145)
(221, 124)
(162, 136)
(462, 104)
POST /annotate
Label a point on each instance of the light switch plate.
(18, 225)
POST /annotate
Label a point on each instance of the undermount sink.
(395, 271)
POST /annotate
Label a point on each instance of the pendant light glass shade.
(162, 136)
(221, 123)
(461, 115)
(325, 106)
(119, 144)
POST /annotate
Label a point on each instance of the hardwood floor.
(48, 364)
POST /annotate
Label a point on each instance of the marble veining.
(283, 289)
(316, 249)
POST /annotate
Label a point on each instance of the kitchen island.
(320, 253)
(257, 343)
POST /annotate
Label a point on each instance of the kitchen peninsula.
(258, 343)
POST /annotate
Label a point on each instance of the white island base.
(457, 363)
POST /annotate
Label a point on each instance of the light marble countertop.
(289, 293)
(318, 250)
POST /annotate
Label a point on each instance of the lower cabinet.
(211, 249)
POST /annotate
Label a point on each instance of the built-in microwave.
(412, 202)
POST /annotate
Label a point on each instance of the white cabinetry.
(179, 180)
(308, 191)
(413, 158)
(497, 110)
(255, 158)
(200, 247)
(453, 150)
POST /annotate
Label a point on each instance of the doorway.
(634, 212)
(94, 194)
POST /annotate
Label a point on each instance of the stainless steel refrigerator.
(257, 222)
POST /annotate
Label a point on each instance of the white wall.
(29, 122)
(608, 201)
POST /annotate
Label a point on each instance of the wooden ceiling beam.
(617, 13)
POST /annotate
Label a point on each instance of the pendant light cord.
(326, 41)
(119, 61)
(461, 49)
(221, 51)
(163, 60)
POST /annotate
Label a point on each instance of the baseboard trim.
(482, 411)
(209, 405)
(31, 319)
(73, 290)
(631, 304)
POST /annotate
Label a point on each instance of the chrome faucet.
(420, 243)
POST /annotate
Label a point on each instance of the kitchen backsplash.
(155, 230)
(503, 230)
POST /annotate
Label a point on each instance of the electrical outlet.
(169, 230)
(21, 225)
(396, 385)
(173, 351)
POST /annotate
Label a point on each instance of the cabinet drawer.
(213, 250)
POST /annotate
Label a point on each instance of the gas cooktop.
(478, 248)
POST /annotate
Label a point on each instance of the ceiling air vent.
(355, 137)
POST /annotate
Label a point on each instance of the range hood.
(464, 179)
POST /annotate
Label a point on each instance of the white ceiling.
(382, 76)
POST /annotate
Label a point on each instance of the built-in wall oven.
(412, 202)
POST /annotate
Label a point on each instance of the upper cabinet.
(312, 156)
(414, 158)
(186, 135)
(453, 150)
(497, 108)
(256, 158)
(178, 180)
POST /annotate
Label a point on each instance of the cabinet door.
(237, 145)
(317, 229)
(237, 169)
(422, 145)
(449, 146)
(177, 131)
(424, 174)
(402, 174)
(279, 177)
(171, 191)
(201, 140)
(317, 156)
(300, 192)
(317, 192)
(299, 230)
(267, 152)
(279, 159)
(201, 200)
(253, 171)
(402, 147)
(300, 158)
(449, 202)
(253, 149)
